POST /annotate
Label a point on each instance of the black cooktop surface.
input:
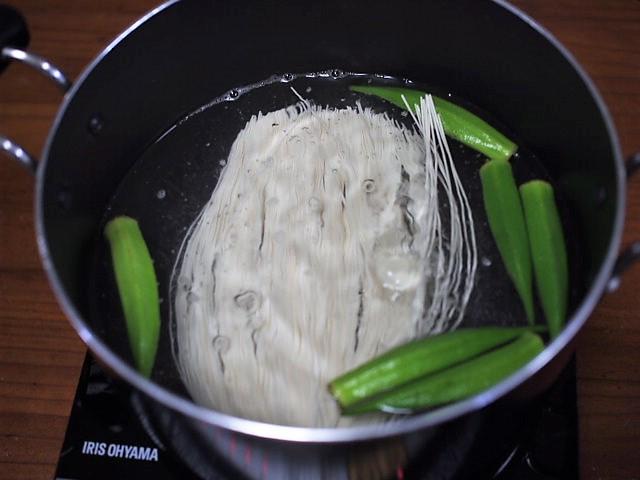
(106, 439)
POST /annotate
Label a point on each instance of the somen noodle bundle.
(331, 236)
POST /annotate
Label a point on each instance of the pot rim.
(344, 434)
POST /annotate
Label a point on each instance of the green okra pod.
(506, 219)
(138, 289)
(548, 251)
(458, 382)
(457, 122)
(416, 359)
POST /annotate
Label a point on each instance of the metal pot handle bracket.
(631, 254)
(14, 38)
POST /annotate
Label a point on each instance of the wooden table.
(40, 355)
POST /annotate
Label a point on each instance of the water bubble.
(337, 73)
(233, 94)
(95, 124)
(601, 196)
(232, 238)
(369, 185)
(307, 90)
(160, 194)
(287, 77)
(221, 343)
(192, 297)
(486, 261)
(64, 198)
(315, 204)
(248, 301)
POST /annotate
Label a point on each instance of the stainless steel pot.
(184, 53)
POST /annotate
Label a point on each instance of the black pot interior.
(195, 51)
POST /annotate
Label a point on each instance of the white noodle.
(458, 258)
(307, 260)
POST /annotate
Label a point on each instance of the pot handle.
(631, 254)
(14, 38)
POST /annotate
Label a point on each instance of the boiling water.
(173, 179)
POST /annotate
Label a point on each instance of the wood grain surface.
(40, 355)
